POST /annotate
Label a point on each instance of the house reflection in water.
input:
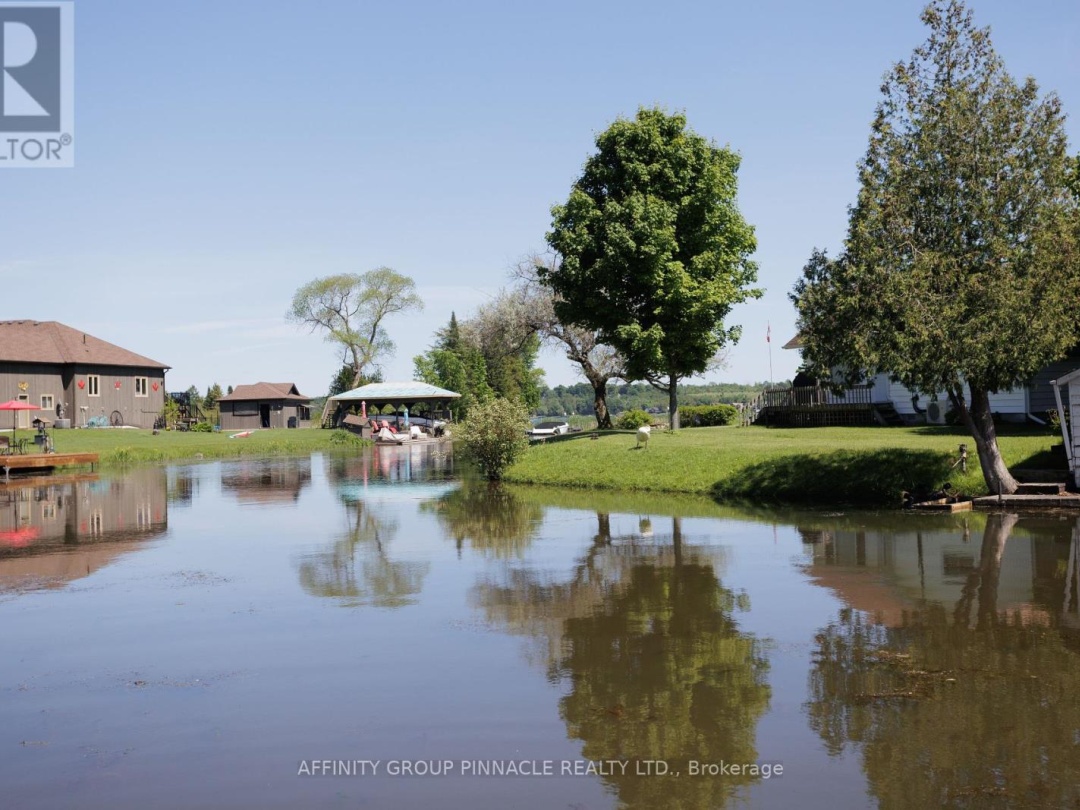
(886, 570)
(262, 481)
(54, 533)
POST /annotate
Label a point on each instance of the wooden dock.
(40, 462)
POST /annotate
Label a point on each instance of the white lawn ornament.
(643, 437)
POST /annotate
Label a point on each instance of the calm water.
(208, 636)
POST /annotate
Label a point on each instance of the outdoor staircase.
(1055, 488)
(887, 415)
(327, 414)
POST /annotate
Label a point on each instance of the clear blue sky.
(228, 152)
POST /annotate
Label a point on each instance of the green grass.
(125, 446)
(864, 466)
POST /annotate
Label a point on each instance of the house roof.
(409, 391)
(1072, 376)
(54, 342)
(795, 343)
(265, 390)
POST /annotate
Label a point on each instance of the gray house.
(75, 377)
(265, 405)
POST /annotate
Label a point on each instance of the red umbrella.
(16, 405)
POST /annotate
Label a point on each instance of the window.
(93, 385)
(46, 402)
(304, 412)
(141, 387)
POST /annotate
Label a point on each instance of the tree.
(502, 331)
(351, 308)
(195, 399)
(653, 250)
(213, 394)
(455, 365)
(960, 265)
(599, 364)
(344, 379)
(493, 436)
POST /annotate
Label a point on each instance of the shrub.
(708, 415)
(344, 438)
(493, 435)
(202, 427)
(632, 420)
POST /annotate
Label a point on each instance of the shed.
(406, 394)
(1071, 382)
(265, 405)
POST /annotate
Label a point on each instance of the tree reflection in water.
(644, 635)
(491, 519)
(357, 568)
(962, 705)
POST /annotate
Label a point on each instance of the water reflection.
(358, 568)
(491, 520)
(266, 481)
(644, 634)
(183, 485)
(967, 696)
(67, 528)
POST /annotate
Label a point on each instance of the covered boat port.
(372, 399)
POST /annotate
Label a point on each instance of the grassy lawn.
(119, 446)
(809, 465)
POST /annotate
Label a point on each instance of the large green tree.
(350, 308)
(653, 249)
(960, 271)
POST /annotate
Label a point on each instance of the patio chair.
(5, 446)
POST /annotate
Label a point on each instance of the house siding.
(1041, 397)
(1013, 401)
(137, 411)
(32, 380)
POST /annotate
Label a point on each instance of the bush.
(632, 420)
(202, 427)
(708, 415)
(344, 438)
(493, 435)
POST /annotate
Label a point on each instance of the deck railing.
(815, 395)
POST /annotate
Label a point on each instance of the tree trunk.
(980, 421)
(603, 418)
(673, 402)
(998, 529)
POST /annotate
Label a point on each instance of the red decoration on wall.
(82, 383)
(116, 384)
(154, 386)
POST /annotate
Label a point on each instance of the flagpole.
(768, 339)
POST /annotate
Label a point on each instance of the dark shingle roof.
(265, 390)
(53, 342)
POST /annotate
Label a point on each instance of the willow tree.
(653, 250)
(960, 271)
(350, 309)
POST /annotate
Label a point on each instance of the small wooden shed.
(1071, 406)
(265, 405)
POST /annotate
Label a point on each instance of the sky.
(229, 152)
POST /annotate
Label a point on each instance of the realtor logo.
(36, 68)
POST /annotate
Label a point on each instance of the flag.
(768, 333)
